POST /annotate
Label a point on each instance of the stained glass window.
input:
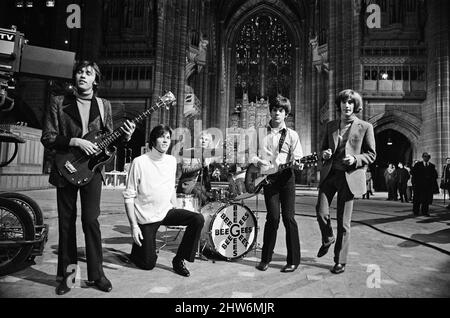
(264, 58)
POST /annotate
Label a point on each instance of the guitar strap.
(280, 145)
(283, 136)
(101, 109)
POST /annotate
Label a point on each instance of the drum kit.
(230, 228)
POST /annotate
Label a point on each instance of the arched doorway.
(392, 147)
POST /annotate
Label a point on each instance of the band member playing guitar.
(281, 145)
(67, 120)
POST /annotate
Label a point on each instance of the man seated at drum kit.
(150, 201)
(196, 169)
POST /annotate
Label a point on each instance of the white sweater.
(150, 186)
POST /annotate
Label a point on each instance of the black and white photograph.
(225, 156)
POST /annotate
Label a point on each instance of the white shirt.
(290, 150)
(150, 186)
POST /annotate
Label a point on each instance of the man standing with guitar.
(280, 145)
(348, 147)
(68, 119)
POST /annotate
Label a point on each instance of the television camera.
(18, 57)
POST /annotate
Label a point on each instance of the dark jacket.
(424, 178)
(63, 121)
(391, 178)
(403, 176)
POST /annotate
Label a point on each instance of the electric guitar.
(256, 178)
(78, 168)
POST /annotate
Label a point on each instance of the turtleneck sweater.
(84, 108)
(151, 185)
(339, 155)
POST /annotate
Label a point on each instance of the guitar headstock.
(167, 100)
(310, 160)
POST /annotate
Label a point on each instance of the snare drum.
(230, 230)
(188, 202)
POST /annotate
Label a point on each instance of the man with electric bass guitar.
(72, 128)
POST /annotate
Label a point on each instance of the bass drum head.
(231, 232)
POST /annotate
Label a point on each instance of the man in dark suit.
(424, 184)
(348, 147)
(67, 119)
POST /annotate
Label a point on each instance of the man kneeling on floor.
(150, 198)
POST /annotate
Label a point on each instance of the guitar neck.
(302, 160)
(118, 133)
(285, 166)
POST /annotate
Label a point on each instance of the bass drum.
(230, 230)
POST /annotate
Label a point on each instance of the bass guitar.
(78, 168)
(256, 178)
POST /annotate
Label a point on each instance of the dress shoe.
(324, 248)
(288, 268)
(179, 268)
(102, 283)
(338, 268)
(262, 266)
(62, 288)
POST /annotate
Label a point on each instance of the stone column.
(435, 132)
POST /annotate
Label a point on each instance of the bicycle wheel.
(16, 224)
(28, 203)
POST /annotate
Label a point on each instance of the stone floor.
(392, 255)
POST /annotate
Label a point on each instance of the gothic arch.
(407, 124)
(279, 9)
(234, 23)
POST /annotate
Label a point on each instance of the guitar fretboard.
(119, 132)
(307, 159)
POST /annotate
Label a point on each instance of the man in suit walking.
(424, 184)
(348, 147)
